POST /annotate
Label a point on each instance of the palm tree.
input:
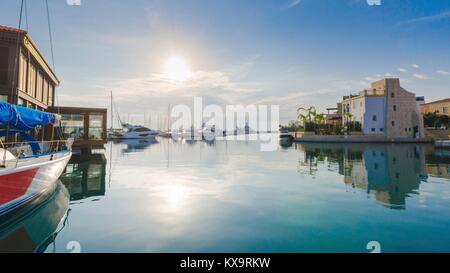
(309, 115)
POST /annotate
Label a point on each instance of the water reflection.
(391, 173)
(35, 227)
(85, 177)
(136, 145)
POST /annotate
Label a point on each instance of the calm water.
(228, 196)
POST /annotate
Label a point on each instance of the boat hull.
(29, 181)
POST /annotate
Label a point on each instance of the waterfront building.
(87, 126)
(386, 109)
(440, 107)
(26, 79)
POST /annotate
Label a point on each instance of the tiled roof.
(11, 29)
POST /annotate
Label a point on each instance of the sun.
(176, 68)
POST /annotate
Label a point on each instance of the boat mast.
(112, 113)
(168, 119)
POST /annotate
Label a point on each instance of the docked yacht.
(30, 168)
(136, 132)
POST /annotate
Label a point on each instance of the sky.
(292, 53)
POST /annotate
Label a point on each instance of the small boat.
(31, 168)
(286, 135)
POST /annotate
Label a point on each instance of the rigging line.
(50, 35)
(17, 51)
(26, 15)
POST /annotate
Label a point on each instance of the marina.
(186, 127)
(231, 197)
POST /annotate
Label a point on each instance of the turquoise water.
(228, 196)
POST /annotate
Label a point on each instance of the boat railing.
(33, 149)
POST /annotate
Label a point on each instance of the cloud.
(443, 72)
(402, 70)
(425, 19)
(292, 4)
(415, 65)
(421, 77)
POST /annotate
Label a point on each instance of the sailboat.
(31, 168)
(128, 131)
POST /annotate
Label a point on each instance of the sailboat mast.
(168, 119)
(112, 113)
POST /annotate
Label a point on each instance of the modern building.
(440, 107)
(87, 126)
(26, 79)
(386, 109)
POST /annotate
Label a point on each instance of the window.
(45, 92)
(51, 89)
(4, 65)
(381, 129)
(445, 110)
(373, 129)
(392, 95)
(39, 84)
(73, 126)
(95, 127)
(374, 118)
(32, 80)
(142, 130)
(406, 129)
(23, 65)
(410, 129)
(393, 123)
(4, 98)
(395, 107)
(20, 102)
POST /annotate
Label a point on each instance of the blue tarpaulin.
(24, 119)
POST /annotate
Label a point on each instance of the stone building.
(386, 109)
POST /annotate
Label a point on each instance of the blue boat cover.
(24, 119)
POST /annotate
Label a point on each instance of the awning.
(24, 119)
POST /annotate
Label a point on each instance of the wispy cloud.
(430, 18)
(415, 65)
(421, 76)
(293, 3)
(402, 70)
(443, 72)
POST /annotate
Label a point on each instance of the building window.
(406, 129)
(374, 118)
(4, 65)
(393, 123)
(381, 129)
(23, 74)
(31, 80)
(373, 129)
(20, 102)
(392, 95)
(395, 107)
(95, 127)
(4, 98)
(72, 126)
(445, 110)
